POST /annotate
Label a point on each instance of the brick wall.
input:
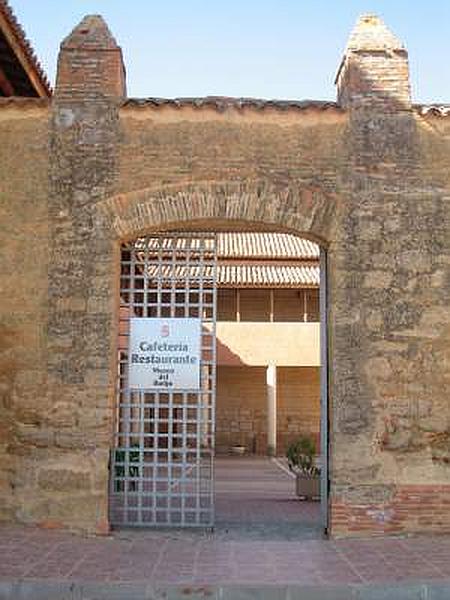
(409, 509)
(269, 147)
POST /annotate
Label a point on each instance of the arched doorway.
(136, 214)
(204, 206)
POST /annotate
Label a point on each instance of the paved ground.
(255, 500)
(50, 565)
(170, 558)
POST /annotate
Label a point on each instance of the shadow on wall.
(226, 356)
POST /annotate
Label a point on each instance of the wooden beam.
(238, 305)
(5, 85)
(305, 306)
(272, 306)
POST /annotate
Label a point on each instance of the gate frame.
(204, 517)
(324, 399)
(213, 224)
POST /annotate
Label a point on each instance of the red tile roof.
(266, 260)
(267, 275)
(265, 246)
(251, 275)
(12, 30)
(438, 110)
(223, 102)
(250, 259)
(244, 245)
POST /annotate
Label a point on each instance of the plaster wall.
(287, 344)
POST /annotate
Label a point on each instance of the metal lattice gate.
(162, 460)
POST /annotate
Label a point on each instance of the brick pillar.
(83, 146)
(373, 308)
(374, 68)
(373, 85)
(90, 65)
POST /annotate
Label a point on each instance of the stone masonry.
(367, 177)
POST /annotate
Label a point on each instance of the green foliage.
(133, 470)
(301, 455)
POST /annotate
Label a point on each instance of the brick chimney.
(90, 63)
(374, 69)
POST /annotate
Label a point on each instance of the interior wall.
(241, 407)
(241, 412)
(298, 405)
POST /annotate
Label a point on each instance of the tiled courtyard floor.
(255, 499)
(225, 557)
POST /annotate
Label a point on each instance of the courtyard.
(255, 500)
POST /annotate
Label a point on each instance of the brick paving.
(199, 558)
(169, 558)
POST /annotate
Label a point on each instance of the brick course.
(412, 509)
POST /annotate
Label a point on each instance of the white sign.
(164, 354)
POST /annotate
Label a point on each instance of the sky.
(284, 49)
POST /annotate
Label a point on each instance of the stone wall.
(369, 180)
(390, 358)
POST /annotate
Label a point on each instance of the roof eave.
(23, 50)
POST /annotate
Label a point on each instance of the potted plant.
(301, 456)
(238, 450)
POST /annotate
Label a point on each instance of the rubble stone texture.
(368, 178)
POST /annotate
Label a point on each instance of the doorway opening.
(268, 385)
(214, 453)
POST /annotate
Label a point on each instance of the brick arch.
(257, 205)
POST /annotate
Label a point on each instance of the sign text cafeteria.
(164, 354)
